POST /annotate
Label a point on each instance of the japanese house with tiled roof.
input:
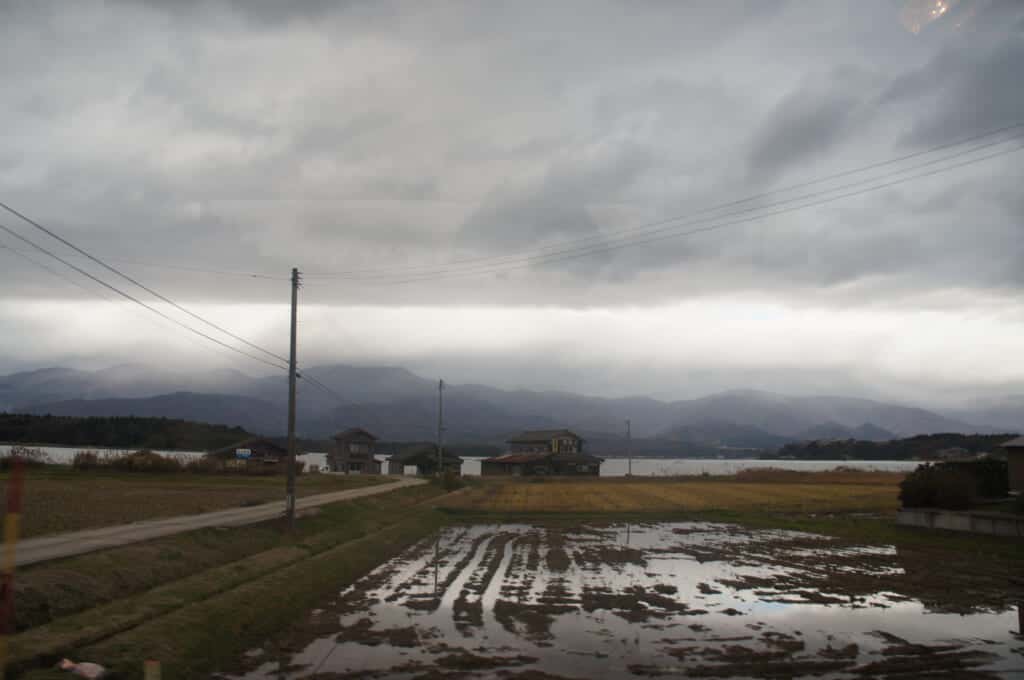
(352, 452)
(543, 452)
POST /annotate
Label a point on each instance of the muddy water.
(667, 599)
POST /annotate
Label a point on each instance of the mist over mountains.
(400, 405)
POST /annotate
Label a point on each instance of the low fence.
(996, 523)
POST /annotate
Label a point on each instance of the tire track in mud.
(426, 562)
(430, 602)
(468, 607)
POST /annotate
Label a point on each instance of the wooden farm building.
(352, 453)
(1015, 460)
(256, 454)
(543, 452)
(424, 457)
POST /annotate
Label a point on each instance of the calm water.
(644, 600)
(612, 467)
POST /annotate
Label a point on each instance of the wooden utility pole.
(289, 499)
(440, 428)
(629, 449)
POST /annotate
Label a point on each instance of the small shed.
(352, 452)
(1015, 462)
(253, 454)
(424, 457)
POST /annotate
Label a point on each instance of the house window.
(355, 467)
(583, 468)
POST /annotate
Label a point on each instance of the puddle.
(652, 600)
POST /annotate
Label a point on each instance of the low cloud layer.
(413, 158)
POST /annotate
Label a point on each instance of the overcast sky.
(432, 148)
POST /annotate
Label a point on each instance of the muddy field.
(685, 599)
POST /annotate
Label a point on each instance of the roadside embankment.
(195, 600)
(59, 499)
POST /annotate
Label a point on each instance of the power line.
(124, 276)
(200, 270)
(570, 254)
(604, 247)
(134, 299)
(59, 274)
(156, 321)
(711, 209)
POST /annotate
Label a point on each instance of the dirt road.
(54, 547)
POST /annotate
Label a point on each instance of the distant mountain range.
(399, 405)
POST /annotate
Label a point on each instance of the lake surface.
(612, 467)
(644, 600)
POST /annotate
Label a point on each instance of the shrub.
(204, 465)
(991, 475)
(86, 460)
(937, 486)
(450, 481)
(1018, 503)
(145, 461)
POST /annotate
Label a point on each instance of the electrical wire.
(711, 209)
(136, 300)
(124, 276)
(626, 243)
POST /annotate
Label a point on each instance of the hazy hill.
(119, 432)
(792, 417)
(252, 414)
(833, 430)
(920, 446)
(1003, 413)
(399, 405)
(725, 434)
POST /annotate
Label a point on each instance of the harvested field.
(693, 599)
(59, 499)
(797, 491)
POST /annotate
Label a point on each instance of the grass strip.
(49, 591)
(205, 635)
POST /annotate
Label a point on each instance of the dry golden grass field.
(58, 499)
(769, 490)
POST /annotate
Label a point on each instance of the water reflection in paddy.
(695, 599)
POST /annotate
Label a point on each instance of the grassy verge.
(59, 499)
(213, 631)
(247, 555)
(52, 590)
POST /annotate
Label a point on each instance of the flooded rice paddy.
(685, 599)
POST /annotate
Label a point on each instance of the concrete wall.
(998, 524)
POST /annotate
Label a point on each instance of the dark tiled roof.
(354, 433)
(532, 436)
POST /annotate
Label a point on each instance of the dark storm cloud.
(261, 135)
(266, 12)
(964, 89)
(807, 123)
(553, 204)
